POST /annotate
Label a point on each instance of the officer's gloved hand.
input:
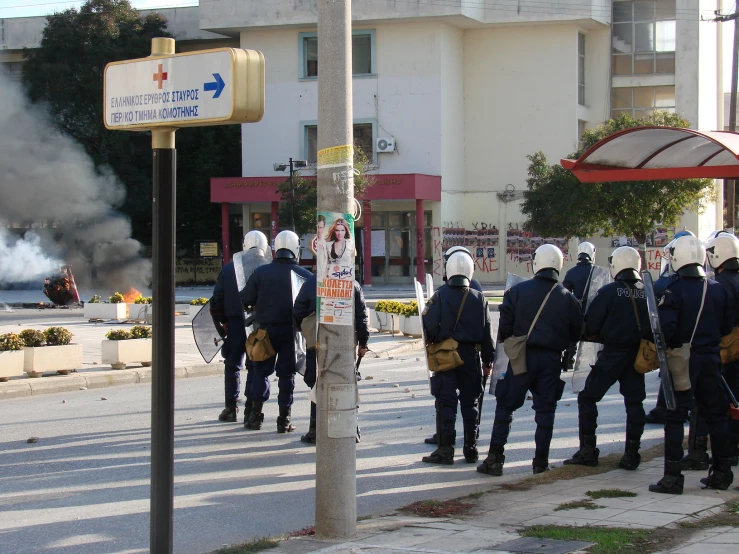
(487, 369)
(222, 329)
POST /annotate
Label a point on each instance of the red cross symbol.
(160, 76)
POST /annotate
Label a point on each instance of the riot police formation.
(228, 315)
(695, 314)
(539, 319)
(475, 285)
(458, 312)
(617, 317)
(304, 313)
(577, 281)
(266, 295)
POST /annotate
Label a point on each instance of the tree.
(66, 74)
(557, 204)
(306, 195)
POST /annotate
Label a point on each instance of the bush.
(95, 299)
(202, 301)
(140, 332)
(410, 309)
(57, 336)
(118, 334)
(142, 300)
(117, 298)
(32, 337)
(11, 341)
(390, 307)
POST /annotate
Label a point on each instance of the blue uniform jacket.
(661, 284)
(305, 304)
(576, 279)
(474, 322)
(611, 318)
(678, 309)
(225, 302)
(729, 279)
(560, 321)
(269, 291)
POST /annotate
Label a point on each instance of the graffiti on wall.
(482, 240)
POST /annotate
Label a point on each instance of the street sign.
(209, 87)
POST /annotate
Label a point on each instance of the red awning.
(658, 153)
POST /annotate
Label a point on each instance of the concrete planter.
(411, 326)
(11, 364)
(105, 311)
(385, 322)
(61, 359)
(118, 353)
(139, 311)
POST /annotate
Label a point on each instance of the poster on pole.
(335, 252)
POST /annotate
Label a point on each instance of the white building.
(465, 91)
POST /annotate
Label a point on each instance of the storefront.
(396, 245)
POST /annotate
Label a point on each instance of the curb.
(410, 346)
(97, 380)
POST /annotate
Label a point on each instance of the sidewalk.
(556, 513)
(93, 374)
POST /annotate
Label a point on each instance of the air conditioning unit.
(385, 145)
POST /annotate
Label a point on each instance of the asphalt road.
(84, 486)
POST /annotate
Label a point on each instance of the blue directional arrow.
(218, 85)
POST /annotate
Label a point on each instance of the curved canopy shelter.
(658, 153)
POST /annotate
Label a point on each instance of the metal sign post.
(160, 94)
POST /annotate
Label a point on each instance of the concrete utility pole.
(336, 471)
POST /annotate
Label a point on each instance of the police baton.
(731, 394)
(479, 404)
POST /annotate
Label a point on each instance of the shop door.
(392, 248)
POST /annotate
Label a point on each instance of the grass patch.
(437, 508)
(475, 495)
(256, 545)
(610, 493)
(728, 517)
(587, 504)
(607, 540)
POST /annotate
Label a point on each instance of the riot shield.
(429, 287)
(421, 307)
(500, 363)
(587, 352)
(296, 283)
(206, 336)
(659, 341)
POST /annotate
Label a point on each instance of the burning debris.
(60, 287)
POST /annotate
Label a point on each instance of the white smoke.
(46, 176)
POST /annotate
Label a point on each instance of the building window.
(641, 102)
(363, 138)
(13, 71)
(643, 37)
(580, 131)
(363, 62)
(581, 69)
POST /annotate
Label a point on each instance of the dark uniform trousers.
(705, 379)
(614, 365)
(234, 353)
(282, 338)
(542, 379)
(467, 379)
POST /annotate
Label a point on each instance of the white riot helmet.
(688, 251)
(451, 251)
(287, 245)
(255, 239)
(625, 258)
(460, 264)
(586, 249)
(723, 251)
(547, 256)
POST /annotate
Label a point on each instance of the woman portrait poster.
(335, 249)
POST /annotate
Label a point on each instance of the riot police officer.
(694, 312)
(617, 317)
(268, 292)
(558, 324)
(459, 312)
(228, 315)
(577, 281)
(305, 307)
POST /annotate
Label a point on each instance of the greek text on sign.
(224, 85)
(336, 288)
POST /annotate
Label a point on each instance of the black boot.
(470, 447)
(310, 436)
(444, 454)
(283, 421)
(229, 413)
(540, 465)
(256, 417)
(631, 458)
(672, 482)
(493, 464)
(247, 410)
(588, 453)
(697, 457)
(720, 475)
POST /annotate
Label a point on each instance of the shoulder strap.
(633, 303)
(459, 313)
(540, 309)
(700, 311)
